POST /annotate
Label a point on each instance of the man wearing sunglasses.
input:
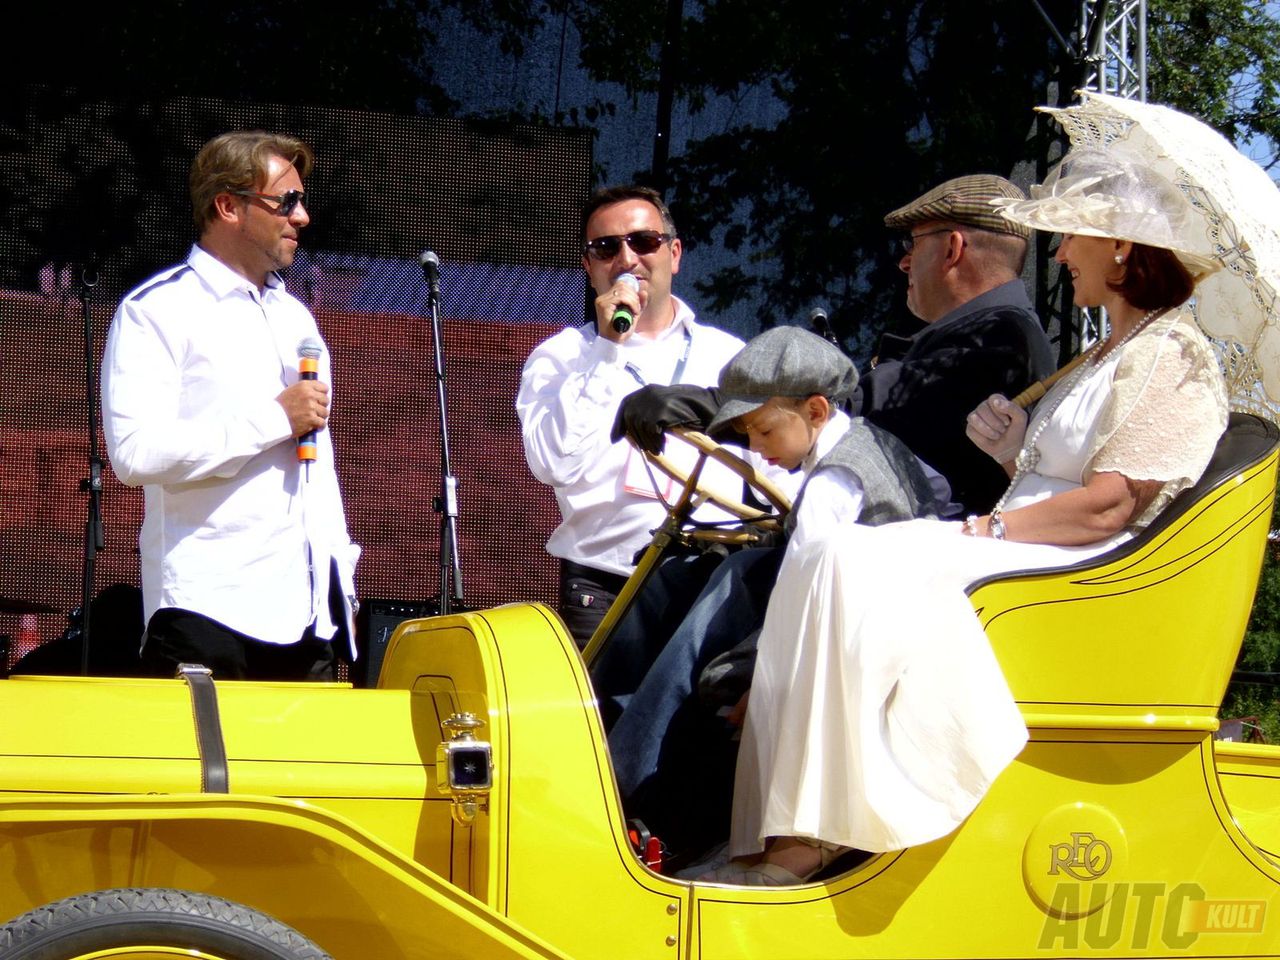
(245, 558)
(573, 382)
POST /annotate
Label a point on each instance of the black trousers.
(585, 597)
(177, 636)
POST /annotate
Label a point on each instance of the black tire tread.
(142, 913)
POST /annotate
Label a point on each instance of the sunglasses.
(641, 241)
(288, 201)
(909, 241)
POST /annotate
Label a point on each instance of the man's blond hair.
(239, 160)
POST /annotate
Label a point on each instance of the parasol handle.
(1038, 389)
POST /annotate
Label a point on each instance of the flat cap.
(782, 362)
(964, 200)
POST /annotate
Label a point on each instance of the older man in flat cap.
(963, 263)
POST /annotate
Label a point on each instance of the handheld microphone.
(431, 269)
(820, 324)
(309, 350)
(623, 318)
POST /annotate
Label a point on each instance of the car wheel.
(151, 924)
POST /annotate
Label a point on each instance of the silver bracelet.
(996, 524)
(970, 526)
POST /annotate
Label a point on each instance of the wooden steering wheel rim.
(710, 450)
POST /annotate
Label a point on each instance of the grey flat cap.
(963, 200)
(782, 362)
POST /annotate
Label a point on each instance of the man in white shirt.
(574, 381)
(247, 566)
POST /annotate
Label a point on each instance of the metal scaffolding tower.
(1113, 47)
(1110, 49)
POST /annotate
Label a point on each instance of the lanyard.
(632, 369)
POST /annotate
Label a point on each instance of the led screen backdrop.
(98, 190)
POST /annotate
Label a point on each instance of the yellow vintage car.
(466, 807)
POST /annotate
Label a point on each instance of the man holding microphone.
(211, 371)
(574, 381)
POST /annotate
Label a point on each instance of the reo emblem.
(1087, 862)
(1083, 857)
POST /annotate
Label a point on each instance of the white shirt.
(831, 497)
(570, 391)
(194, 361)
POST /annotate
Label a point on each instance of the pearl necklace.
(1029, 456)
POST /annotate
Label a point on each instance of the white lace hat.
(1237, 217)
(1108, 193)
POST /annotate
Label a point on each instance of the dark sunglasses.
(288, 201)
(909, 241)
(641, 241)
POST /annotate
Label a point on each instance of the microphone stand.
(446, 504)
(94, 537)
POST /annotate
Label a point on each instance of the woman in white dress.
(878, 715)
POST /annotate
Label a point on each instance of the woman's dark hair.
(1154, 279)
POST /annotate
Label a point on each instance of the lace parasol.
(1238, 208)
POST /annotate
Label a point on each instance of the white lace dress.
(878, 714)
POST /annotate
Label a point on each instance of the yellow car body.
(1122, 830)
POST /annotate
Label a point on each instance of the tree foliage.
(870, 104)
(1220, 60)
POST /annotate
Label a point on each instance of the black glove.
(646, 414)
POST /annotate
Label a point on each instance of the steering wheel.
(696, 492)
(677, 525)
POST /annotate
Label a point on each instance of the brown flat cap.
(964, 200)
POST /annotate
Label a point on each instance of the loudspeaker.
(377, 621)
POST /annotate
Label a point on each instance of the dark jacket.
(923, 387)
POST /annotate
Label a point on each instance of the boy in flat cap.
(782, 391)
(963, 264)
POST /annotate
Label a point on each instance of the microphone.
(431, 269)
(623, 318)
(309, 350)
(821, 325)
